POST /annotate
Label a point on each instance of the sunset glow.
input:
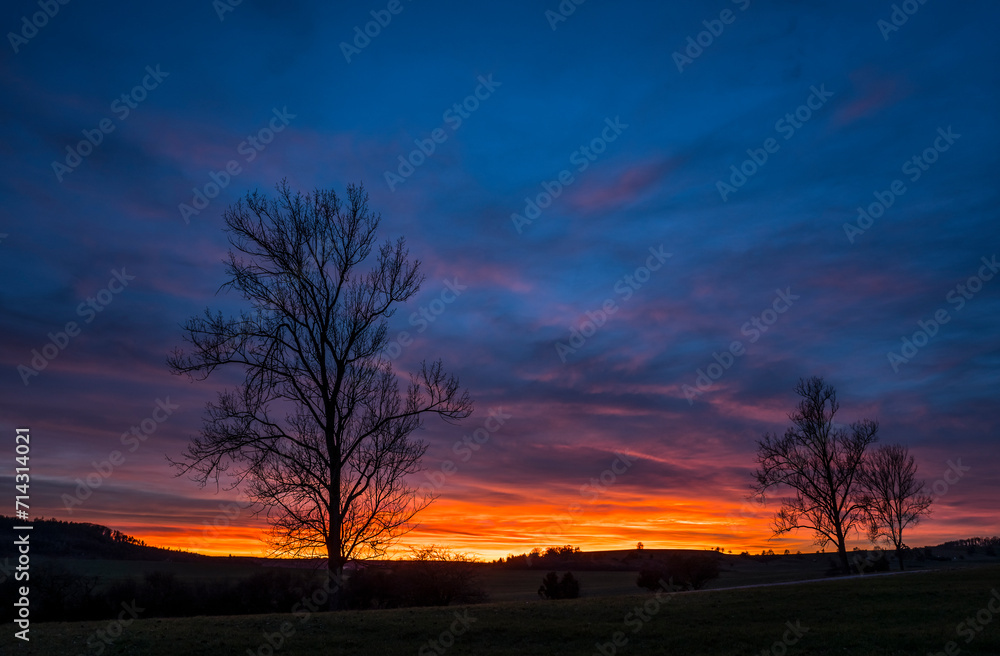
(629, 314)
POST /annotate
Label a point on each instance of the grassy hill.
(886, 615)
(52, 537)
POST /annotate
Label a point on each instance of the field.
(906, 614)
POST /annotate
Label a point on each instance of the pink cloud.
(872, 94)
(630, 184)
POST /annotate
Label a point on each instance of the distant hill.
(52, 537)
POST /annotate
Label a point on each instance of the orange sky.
(613, 521)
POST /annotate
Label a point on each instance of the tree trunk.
(899, 557)
(335, 564)
(844, 563)
(335, 581)
(842, 550)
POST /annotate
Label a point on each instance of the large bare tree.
(893, 497)
(819, 464)
(318, 433)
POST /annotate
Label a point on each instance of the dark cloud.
(622, 389)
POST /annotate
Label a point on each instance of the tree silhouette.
(820, 464)
(893, 497)
(318, 433)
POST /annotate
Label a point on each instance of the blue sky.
(656, 185)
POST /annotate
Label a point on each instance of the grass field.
(887, 615)
(110, 571)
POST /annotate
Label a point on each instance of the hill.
(55, 538)
(887, 615)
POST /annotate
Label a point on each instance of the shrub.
(371, 587)
(432, 577)
(689, 571)
(555, 588)
(651, 578)
(865, 562)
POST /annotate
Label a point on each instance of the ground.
(906, 614)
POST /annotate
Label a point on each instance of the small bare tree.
(318, 434)
(893, 498)
(820, 464)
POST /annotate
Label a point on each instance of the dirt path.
(822, 580)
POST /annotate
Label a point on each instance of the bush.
(864, 562)
(56, 594)
(651, 578)
(690, 571)
(433, 577)
(555, 588)
(371, 587)
(61, 595)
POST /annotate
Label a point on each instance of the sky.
(640, 224)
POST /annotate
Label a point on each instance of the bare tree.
(893, 497)
(318, 433)
(819, 464)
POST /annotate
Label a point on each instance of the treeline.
(549, 557)
(985, 543)
(52, 537)
(57, 594)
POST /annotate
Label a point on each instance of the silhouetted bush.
(371, 587)
(864, 562)
(555, 588)
(651, 578)
(433, 577)
(60, 595)
(688, 571)
(55, 593)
